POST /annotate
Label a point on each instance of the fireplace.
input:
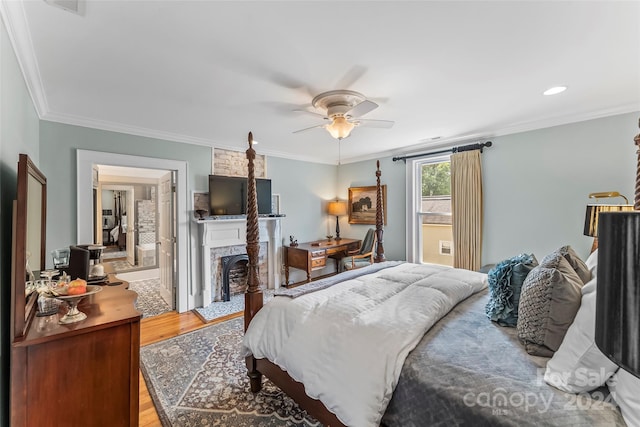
(227, 237)
(234, 267)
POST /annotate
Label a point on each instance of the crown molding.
(17, 27)
(487, 134)
(74, 120)
(14, 19)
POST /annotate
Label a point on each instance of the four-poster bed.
(397, 344)
(119, 232)
(254, 302)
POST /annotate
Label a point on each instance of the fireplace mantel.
(217, 233)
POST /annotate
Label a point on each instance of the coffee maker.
(84, 262)
(96, 269)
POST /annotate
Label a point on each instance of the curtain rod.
(469, 147)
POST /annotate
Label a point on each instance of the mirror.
(29, 230)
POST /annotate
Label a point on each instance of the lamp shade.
(618, 291)
(337, 208)
(340, 127)
(593, 213)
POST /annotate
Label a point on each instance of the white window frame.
(414, 198)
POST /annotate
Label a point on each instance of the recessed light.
(554, 90)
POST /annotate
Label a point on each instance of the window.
(430, 222)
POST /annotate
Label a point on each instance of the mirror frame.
(23, 308)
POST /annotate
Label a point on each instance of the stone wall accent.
(234, 163)
(238, 279)
(146, 225)
(200, 201)
(228, 163)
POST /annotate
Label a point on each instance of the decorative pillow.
(505, 282)
(549, 302)
(579, 365)
(624, 387)
(574, 261)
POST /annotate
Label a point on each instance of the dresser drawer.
(331, 251)
(318, 253)
(318, 262)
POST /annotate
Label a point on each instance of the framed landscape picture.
(362, 204)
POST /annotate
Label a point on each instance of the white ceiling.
(207, 72)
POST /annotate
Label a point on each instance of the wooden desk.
(80, 374)
(312, 256)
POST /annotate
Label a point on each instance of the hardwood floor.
(158, 328)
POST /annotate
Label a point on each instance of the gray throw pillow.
(549, 302)
(579, 266)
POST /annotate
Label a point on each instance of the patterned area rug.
(120, 265)
(149, 301)
(200, 379)
(224, 308)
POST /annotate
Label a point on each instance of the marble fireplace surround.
(220, 233)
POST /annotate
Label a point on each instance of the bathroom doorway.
(129, 210)
(86, 160)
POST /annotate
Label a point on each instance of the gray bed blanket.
(469, 371)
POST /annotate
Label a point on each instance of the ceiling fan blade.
(351, 76)
(312, 113)
(384, 124)
(306, 129)
(362, 108)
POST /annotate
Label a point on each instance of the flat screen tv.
(228, 195)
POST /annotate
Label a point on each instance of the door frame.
(85, 159)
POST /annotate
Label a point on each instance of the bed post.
(379, 216)
(636, 202)
(253, 297)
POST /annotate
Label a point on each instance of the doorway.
(135, 223)
(184, 299)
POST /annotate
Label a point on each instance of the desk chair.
(363, 256)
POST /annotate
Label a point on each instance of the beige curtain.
(466, 206)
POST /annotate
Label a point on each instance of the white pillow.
(592, 264)
(579, 365)
(625, 388)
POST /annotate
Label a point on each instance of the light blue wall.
(59, 143)
(18, 134)
(363, 174)
(536, 184)
(304, 188)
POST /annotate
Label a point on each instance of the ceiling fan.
(343, 111)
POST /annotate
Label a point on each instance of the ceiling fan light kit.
(340, 128)
(343, 108)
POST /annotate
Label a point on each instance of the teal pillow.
(505, 284)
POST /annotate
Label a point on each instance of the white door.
(131, 228)
(165, 227)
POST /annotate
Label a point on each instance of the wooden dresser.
(81, 374)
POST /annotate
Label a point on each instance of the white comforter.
(347, 343)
